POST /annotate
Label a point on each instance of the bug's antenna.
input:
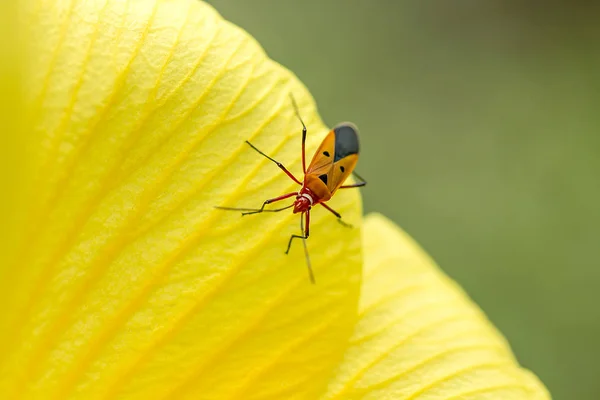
(297, 110)
(310, 271)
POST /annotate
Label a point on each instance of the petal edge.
(418, 334)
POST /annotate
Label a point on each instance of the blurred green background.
(480, 126)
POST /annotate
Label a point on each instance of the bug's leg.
(305, 231)
(280, 165)
(303, 133)
(308, 265)
(248, 211)
(337, 214)
(359, 184)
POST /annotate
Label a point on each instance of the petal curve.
(419, 336)
(129, 283)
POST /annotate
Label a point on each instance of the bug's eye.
(326, 153)
(342, 168)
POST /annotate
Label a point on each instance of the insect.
(331, 165)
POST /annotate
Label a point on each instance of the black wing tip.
(346, 124)
(346, 140)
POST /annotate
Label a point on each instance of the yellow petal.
(12, 140)
(419, 336)
(128, 282)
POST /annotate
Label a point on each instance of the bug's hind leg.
(355, 185)
(337, 214)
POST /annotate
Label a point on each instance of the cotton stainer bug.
(331, 165)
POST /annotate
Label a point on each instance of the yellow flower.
(123, 281)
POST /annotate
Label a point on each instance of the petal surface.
(128, 283)
(419, 337)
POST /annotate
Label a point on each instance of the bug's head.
(302, 204)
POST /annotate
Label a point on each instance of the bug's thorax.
(304, 200)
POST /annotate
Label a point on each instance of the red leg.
(331, 210)
(305, 231)
(262, 209)
(306, 228)
(303, 133)
(280, 165)
(354, 185)
(337, 214)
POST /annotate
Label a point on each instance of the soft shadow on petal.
(129, 283)
(419, 336)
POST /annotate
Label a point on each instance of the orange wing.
(336, 158)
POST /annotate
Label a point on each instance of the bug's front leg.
(305, 232)
(248, 211)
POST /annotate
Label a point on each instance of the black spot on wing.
(326, 153)
(346, 141)
(323, 178)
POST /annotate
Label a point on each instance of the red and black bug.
(331, 165)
